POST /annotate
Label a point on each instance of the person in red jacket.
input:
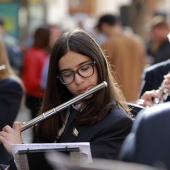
(34, 60)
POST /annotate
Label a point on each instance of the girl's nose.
(78, 79)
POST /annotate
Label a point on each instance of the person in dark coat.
(154, 77)
(148, 142)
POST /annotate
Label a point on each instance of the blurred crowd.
(141, 66)
(128, 53)
(128, 59)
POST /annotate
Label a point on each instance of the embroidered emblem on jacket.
(75, 132)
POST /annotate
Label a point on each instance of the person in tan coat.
(126, 53)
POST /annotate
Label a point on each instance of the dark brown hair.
(41, 37)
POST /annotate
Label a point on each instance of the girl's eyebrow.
(80, 64)
(84, 62)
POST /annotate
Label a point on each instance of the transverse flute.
(164, 93)
(49, 113)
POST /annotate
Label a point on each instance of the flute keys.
(23, 123)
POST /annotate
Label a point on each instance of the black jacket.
(105, 137)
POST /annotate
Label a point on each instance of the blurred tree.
(137, 15)
(139, 12)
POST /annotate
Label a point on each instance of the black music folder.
(34, 156)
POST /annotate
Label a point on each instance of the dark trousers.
(33, 104)
(4, 155)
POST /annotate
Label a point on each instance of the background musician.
(153, 77)
(78, 64)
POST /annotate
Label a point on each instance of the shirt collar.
(77, 107)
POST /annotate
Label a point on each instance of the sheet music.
(22, 162)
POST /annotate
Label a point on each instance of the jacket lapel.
(70, 132)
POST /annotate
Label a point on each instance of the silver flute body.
(61, 107)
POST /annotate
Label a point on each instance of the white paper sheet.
(22, 161)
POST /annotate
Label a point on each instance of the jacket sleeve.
(147, 83)
(128, 149)
(108, 143)
(10, 100)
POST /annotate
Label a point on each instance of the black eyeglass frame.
(77, 71)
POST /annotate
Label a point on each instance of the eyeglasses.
(86, 70)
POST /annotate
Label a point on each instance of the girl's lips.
(85, 89)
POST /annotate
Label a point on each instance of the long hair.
(7, 72)
(98, 106)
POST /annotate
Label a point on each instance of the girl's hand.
(10, 136)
